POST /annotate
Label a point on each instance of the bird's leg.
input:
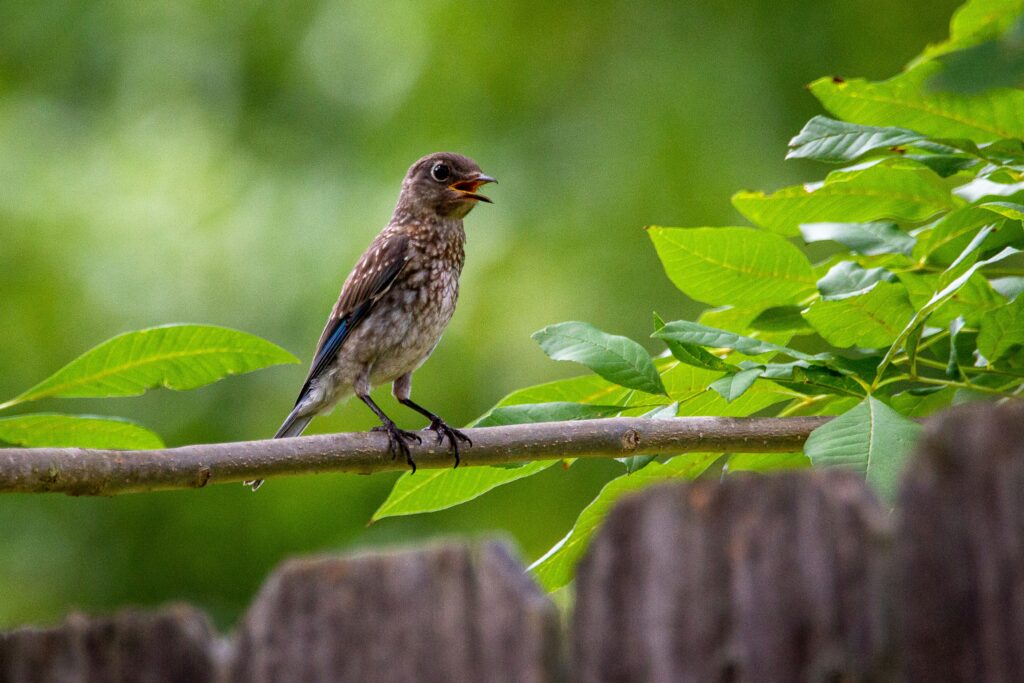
(396, 437)
(402, 389)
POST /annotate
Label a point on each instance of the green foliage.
(81, 431)
(917, 303)
(173, 356)
(618, 359)
(871, 438)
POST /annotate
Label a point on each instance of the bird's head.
(445, 184)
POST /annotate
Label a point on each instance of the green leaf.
(941, 297)
(811, 379)
(847, 278)
(694, 333)
(79, 431)
(1001, 330)
(735, 384)
(872, 320)
(977, 20)
(555, 569)
(617, 359)
(997, 63)
(946, 238)
(173, 356)
(970, 301)
(583, 389)
(825, 139)
(740, 319)
(869, 239)
(766, 462)
(689, 386)
(432, 490)
(922, 401)
(904, 101)
(730, 265)
(903, 194)
(944, 165)
(691, 354)
(781, 319)
(524, 413)
(871, 438)
(634, 463)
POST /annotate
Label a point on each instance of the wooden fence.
(792, 577)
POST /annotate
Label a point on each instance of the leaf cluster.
(911, 304)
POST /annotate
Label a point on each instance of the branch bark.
(93, 472)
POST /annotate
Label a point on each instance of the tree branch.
(87, 472)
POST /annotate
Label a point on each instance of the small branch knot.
(202, 476)
(630, 439)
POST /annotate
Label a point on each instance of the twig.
(84, 472)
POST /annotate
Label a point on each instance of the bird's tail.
(293, 425)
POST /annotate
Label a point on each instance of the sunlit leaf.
(905, 101)
(431, 490)
(766, 462)
(870, 320)
(872, 194)
(727, 265)
(173, 356)
(79, 431)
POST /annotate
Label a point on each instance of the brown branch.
(86, 472)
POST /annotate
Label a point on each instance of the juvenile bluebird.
(395, 304)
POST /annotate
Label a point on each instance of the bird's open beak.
(468, 188)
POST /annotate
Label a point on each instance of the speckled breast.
(417, 309)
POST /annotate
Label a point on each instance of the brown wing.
(371, 278)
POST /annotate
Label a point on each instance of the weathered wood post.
(451, 612)
(960, 548)
(777, 578)
(175, 644)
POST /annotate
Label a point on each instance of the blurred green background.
(227, 162)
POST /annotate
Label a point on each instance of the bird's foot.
(454, 436)
(398, 441)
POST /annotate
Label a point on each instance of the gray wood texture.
(450, 612)
(171, 645)
(775, 578)
(960, 548)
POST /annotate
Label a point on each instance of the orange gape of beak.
(468, 188)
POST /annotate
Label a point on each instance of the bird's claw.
(454, 436)
(397, 442)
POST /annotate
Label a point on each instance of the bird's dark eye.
(440, 172)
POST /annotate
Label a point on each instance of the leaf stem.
(966, 385)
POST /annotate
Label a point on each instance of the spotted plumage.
(396, 302)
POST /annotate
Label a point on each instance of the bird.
(395, 304)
